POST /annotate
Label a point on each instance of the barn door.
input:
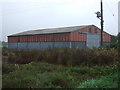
(93, 40)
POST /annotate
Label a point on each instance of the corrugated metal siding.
(73, 36)
(12, 45)
(106, 36)
(46, 45)
(12, 39)
(23, 45)
(41, 38)
(33, 45)
(51, 30)
(76, 36)
(77, 44)
(93, 40)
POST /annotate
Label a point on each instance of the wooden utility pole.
(100, 16)
(102, 23)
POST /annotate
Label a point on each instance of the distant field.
(60, 68)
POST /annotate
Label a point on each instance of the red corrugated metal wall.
(81, 36)
(13, 39)
(40, 38)
(73, 36)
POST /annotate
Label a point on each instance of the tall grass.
(45, 75)
(35, 72)
(69, 57)
(108, 81)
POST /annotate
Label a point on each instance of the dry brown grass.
(66, 56)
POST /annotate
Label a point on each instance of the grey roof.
(51, 30)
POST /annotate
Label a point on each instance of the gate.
(93, 40)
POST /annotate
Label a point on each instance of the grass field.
(39, 75)
(38, 69)
(108, 81)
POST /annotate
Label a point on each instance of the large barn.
(85, 36)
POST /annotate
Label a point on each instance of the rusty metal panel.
(47, 38)
(76, 36)
(72, 36)
(33, 38)
(63, 37)
(30, 38)
(39, 38)
(55, 37)
(66, 37)
(36, 38)
(9, 39)
(42, 38)
(106, 37)
(50, 37)
(23, 39)
(60, 38)
(20, 39)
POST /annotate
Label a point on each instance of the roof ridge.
(51, 30)
(59, 27)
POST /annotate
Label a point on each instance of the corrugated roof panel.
(51, 30)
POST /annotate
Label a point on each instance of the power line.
(111, 12)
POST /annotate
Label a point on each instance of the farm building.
(85, 36)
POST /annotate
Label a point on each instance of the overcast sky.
(31, 15)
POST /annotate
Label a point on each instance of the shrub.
(112, 45)
(109, 81)
(7, 67)
(68, 57)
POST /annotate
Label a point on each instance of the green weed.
(45, 75)
(108, 81)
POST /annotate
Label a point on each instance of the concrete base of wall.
(46, 45)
